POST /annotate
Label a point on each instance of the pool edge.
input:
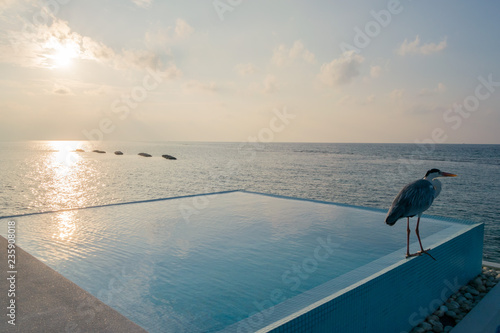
(46, 299)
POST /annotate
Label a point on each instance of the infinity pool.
(235, 261)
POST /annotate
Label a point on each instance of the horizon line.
(218, 141)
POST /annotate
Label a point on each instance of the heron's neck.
(436, 183)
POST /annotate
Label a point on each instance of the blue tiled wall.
(401, 297)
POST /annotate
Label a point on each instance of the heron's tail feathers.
(393, 215)
(390, 221)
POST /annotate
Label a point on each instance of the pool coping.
(44, 299)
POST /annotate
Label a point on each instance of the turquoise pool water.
(205, 263)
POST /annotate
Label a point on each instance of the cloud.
(345, 100)
(375, 71)
(396, 94)
(246, 69)
(61, 90)
(55, 44)
(441, 88)
(198, 86)
(143, 3)
(126, 59)
(97, 91)
(4, 4)
(162, 38)
(182, 29)
(370, 99)
(426, 110)
(283, 55)
(93, 50)
(416, 48)
(348, 100)
(341, 70)
(138, 59)
(42, 45)
(171, 72)
(270, 84)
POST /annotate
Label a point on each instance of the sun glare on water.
(65, 146)
(65, 181)
(65, 152)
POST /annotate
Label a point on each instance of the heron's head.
(435, 173)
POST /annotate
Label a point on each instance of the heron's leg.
(418, 234)
(420, 242)
(407, 236)
(408, 240)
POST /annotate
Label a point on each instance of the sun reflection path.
(66, 225)
(64, 179)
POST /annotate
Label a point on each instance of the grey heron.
(414, 199)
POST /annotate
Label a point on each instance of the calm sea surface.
(41, 176)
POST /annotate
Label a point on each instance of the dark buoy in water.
(168, 157)
(99, 151)
(144, 154)
(118, 152)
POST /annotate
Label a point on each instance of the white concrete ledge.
(491, 264)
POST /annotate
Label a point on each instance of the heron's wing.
(412, 200)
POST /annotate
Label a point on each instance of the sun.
(62, 53)
(63, 57)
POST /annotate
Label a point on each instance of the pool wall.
(398, 297)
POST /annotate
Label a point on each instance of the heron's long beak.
(446, 174)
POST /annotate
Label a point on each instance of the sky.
(235, 70)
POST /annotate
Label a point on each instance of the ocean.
(39, 176)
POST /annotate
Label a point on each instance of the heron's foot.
(416, 254)
(426, 252)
